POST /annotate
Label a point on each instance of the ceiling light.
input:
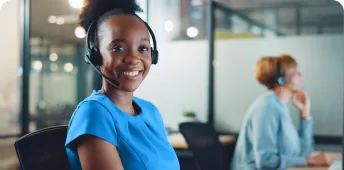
(80, 32)
(168, 26)
(52, 19)
(53, 57)
(76, 3)
(192, 32)
(37, 65)
(59, 21)
(68, 67)
(2, 2)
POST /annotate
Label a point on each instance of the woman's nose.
(132, 58)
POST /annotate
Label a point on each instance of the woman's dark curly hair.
(93, 9)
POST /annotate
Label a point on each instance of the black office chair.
(205, 145)
(43, 149)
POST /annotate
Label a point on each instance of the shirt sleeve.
(265, 124)
(91, 118)
(306, 137)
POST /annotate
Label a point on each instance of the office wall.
(9, 60)
(321, 62)
(180, 80)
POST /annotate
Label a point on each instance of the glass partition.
(59, 76)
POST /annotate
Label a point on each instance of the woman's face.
(294, 78)
(124, 44)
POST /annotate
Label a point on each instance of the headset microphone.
(115, 82)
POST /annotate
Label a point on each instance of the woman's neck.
(283, 94)
(120, 98)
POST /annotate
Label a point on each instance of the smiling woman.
(112, 129)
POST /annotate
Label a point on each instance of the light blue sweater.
(268, 139)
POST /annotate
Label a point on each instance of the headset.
(280, 77)
(93, 56)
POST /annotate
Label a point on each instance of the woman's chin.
(129, 87)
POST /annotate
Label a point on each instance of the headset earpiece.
(280, 78)
(155, 56)
(93, 56)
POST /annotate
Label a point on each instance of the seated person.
(111, 129)
(268, 138)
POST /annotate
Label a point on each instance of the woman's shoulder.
(151, 111)
(95, 105)
(267, 100)
(266, 105)
(92, 102)
(145, 104)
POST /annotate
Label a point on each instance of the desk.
(334, 156)
(178, 141)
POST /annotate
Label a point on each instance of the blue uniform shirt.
(268, 138)
(141, 140)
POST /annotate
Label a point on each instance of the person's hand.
(321, 159)
(302, 103)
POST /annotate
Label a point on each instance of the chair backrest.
(205, 145)
(43, 149)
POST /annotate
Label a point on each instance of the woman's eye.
(118, 48)
(143, 49)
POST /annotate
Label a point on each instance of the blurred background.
(196, 85)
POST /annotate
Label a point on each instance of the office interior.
(205, 73)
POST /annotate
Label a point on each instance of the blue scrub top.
(141, 140)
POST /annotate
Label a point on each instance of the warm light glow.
(80, 32)
(59, 21)
(68, 67)
(76, 3)
(53, 57)
(2, 2)
(168, 25)
(54, 67)
(192, 32)
(37, 65)
(52, 19)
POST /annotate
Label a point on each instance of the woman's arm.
(306, 136)
(302, 102)
(265, 124)
(95, 153)
(92, 136)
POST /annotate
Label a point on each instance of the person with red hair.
(268, 138)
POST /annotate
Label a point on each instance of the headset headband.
(93, 27)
